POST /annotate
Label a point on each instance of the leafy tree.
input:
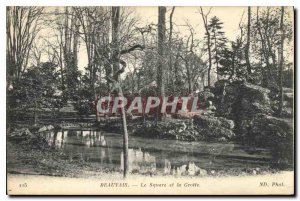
(218, 39)
(38, 90)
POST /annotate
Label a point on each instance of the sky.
(231, 16)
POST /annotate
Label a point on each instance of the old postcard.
(150, 100)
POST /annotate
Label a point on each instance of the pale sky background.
(231, 16)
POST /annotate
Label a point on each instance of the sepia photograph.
(157, 100)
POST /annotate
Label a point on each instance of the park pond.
(156, 155)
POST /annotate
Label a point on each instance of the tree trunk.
(203, 80)
(248, 42)
(170, 49)
(188, 76)
(216, 54)
(209, 60)
(115, 38)
(35, 112)
(61, 63)
(176, 65)
(125, 138)
(264, 50)
(116, 68)
(281, 63)
(204, 17)
(161, 53)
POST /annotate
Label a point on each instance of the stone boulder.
(281, 126)
(254, 99)
(241, 102)
(288, 97)
(200, 127)
(251, 109)
(205, 98)
(23, 137)
(210, 121)
(191, 170)
(46, 128)
(179, 129)
(226, 95)
(23, 132)
(214, 127)
(275, 133)
(241, 99)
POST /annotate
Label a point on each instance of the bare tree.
(188, 56)
(205, 22)
(281, 62)
(160, 54)
(170, 74)
(267, 35)
(248, 42)
(115, 19)
(94, 30)
(22, 27)
(161, 50)
(117, 71)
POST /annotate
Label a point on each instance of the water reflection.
(139, 160)
(168, 156)
(78, 144)
(81, 138)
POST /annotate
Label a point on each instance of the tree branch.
(141, 47)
